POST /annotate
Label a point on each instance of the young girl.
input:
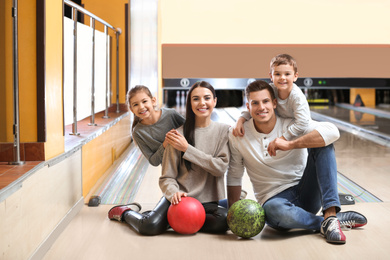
(150, 125)
(194, 165)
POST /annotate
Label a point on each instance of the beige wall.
(275, 22)
(30, 214)
(237, 39)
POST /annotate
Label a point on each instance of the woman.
(194, 165)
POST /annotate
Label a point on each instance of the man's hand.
(234, 193)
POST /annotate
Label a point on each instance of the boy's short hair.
(258, 85)
(283, 59)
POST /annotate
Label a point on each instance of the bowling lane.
(369, 123)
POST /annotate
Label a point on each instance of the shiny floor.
(91, 235)
(376, 120)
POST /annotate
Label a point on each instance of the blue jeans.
(223, 203)
(296, 207)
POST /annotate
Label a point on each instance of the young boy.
(292, 102)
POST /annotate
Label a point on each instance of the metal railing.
(16, 127)
(75, 9)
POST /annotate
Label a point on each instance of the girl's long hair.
(131, 93)
(189, 124)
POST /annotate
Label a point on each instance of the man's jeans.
(297, 206)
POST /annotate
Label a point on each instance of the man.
(294, 179)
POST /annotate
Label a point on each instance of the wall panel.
(252, 60)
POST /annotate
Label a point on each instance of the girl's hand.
(177, 140)
(176, 198)
(165, 143)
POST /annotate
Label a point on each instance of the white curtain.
(143, 45)
(84, 70)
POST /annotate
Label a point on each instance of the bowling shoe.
(116, 212)
(243, 194)
(330, 229)
(351, 219)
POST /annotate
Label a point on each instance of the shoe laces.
(333, 226)
(348, 224)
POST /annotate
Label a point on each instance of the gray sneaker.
(351, 219)
(243, 194)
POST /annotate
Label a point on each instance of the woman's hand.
(177, 140)
(176, 198)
